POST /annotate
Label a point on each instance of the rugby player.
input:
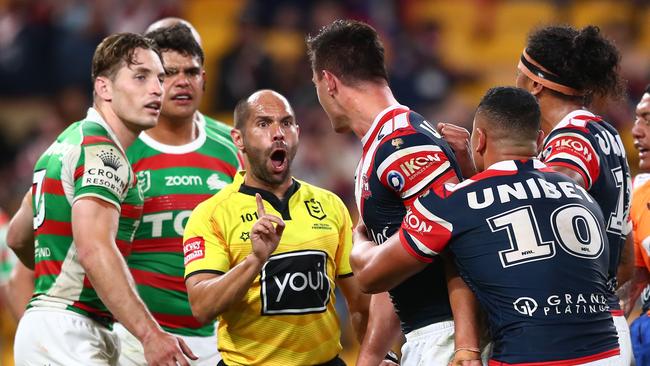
(182, 161)
(529, 241)
(272, 286)
(83, 196)
(403, 156)
(566, 69)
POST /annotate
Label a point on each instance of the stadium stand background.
(442, 56)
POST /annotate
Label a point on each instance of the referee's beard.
(261, 166)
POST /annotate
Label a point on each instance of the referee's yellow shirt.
(287, 317)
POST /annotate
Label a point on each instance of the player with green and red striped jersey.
(184, 160)
(174, 179)
(80, 189)
(85, 161)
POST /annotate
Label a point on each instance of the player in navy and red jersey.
(529, 241)
(565, 69)
(403, 156)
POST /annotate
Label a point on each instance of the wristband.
(469, 349)
(391, 356)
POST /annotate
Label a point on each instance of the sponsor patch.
(416, 221)
(193, 249)
(295, 283)
(106, 167)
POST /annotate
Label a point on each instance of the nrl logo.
(315, 209)
(144, 180)
(109, 159)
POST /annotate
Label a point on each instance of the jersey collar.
(282, 206)
(199, 122)
(94, 116)
(378, 122)
(579, 118)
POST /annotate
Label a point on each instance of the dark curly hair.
(584, 58)
(179, 38)
(349, 49)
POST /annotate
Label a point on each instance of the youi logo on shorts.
(295, 283)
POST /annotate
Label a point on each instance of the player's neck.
(553, 111)
(175, 133)
(366, 102)
(125, 135)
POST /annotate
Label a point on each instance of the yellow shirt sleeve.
(345, 241)
(204, 247)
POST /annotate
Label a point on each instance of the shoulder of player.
(213, 126)
(321, 194)
(217, 202)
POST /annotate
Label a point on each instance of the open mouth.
(182, 97)
(278, 159)
(154, 106)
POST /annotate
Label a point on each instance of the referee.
(266, 252)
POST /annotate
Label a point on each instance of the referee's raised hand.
(266, 232)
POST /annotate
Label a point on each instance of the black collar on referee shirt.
(282, 206)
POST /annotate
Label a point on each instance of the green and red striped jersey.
(174, 179)
(86, 160)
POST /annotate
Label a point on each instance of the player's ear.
(536, 88)
(540, 140)
(203, 80)
(481, 141)
(103, 88)
(237, 139)
(331, 81)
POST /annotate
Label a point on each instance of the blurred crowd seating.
(442, 56)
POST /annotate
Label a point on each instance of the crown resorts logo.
(110, 159)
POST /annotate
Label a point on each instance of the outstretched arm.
(380, 268)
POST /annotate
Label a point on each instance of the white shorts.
(430, 345)
(205, 348)
(624, 340)
(62, 337)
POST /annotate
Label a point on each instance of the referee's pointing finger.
(260, 205)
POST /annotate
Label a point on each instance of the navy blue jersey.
(403, 156)
(531, 244)
(590, 146)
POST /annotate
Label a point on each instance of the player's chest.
(310, 226)
(180, 180)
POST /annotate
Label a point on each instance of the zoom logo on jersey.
(295, 283)
(525, 306)
(183, 180)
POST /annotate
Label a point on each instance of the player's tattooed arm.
(458, 139)
(212, 294)
(20, 235)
